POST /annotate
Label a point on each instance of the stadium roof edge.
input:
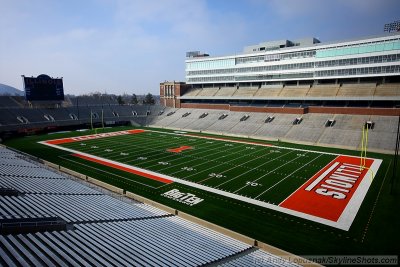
(297, 48)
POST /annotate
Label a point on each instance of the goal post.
(364, 147)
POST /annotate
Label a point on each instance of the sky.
(130, 46)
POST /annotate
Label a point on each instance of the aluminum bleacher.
(245, 92)
(193, 92)
(226, 91)
(269, 91)
(60, 221)
(389, 89)
(208, 91)
(346, 131)
(351, 90)
(322, 90)
(295, 91)
(8, 101)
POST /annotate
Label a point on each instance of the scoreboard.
(43, 88)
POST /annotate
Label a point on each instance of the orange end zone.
(60, 141)
(328, 192)
(179, 149)
(122, 168)
(135, 131)
(91, 136)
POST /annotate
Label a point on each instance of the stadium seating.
(345, 132)
(208, 91)
(352, 90)
(50, 214)
(250, 126)
(310, 129)
(226, 91)
(388, 89)
(268, 91)
(206, 122)
(193, 92)
(323, 90)
(8, 102)
(8, 118)
(295, 91)
(245, 92)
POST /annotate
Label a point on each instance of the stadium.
(266, 157)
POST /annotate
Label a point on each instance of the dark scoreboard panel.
(43, 88)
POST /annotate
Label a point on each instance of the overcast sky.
(130, 46)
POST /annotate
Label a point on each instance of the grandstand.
(345, 132)
(349, 81)
(20, 115)
(45, 221)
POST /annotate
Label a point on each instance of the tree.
(134, 99)
(120, 100)
(149, 99)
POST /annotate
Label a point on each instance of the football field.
(323, 187)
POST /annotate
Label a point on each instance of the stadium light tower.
(392, 27)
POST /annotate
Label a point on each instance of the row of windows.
(275, 76)
(211, 79)
(357, 61)
(379, 46)
(325, 73)
(275, 57)
(252, 77)
(307, 65)
(358, 71)
(211, 64)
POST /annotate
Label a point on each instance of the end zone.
(336, 192)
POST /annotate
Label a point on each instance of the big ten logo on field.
(185, 198)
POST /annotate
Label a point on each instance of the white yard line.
(286, 177)
(260, 165)
(240, 165)
(215, 160)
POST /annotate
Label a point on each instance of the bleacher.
(193, 92)
(226, 91)
(246, 92)
(8, 102)
(357, 90)
(388, 89)
(346, 130)
(208, 91)
(93, 100)
(323, 90)
(295, 91)
(314, 91)
(269, 91)
(57, 220)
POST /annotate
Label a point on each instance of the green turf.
(263, 173)
(374, 230)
